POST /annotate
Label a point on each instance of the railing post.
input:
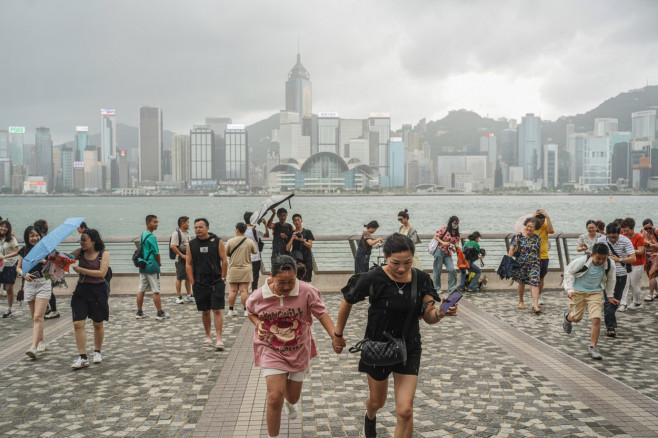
(559, 251)
(567, 256)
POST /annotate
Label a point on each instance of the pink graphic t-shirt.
(289, 344)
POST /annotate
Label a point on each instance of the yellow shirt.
(543, 234)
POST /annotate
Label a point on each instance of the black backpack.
(138, 255)
(172, 254)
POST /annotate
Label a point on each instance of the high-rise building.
(292, 142)
(298, 91)
(108, 134)
(353, 129)
(68, 158)
(150, 143)
(395, 177)
(5, 160)
(508, 146)
(328, 132)
(57, 168)
(576, 147)
(202, 145)
(81, 141)
(237, 156)
(44, 156)
(380, 123)
(551, 165)
(218, 126)
(16, 134)
(604, 126)
(180, 158)
(596, 162)
(643, 124)
(124, 169)
(530, 146)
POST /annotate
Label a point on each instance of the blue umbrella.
(49, 242)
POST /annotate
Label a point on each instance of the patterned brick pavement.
(158, 380)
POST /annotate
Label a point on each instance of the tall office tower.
(508, 147)
(81, 142)
(108, 134)
(353, 129)
(550, 165)
(292, 142)
(237, 156)
(180, 158)
(30, 159)
(44, 156)
(512, 124)
(380, 123)
(218, 124)
(488, 145)
(328, 132)
(604, 126)
(644, 124)
(596, 162)
(68, 157)
(57, 168)
(202, 145)
(17, 178)
(395, 177)
(16, 134)
(570, 129)
(530, 146)
(92, 170)
(298, 91)
(150, 143)
(5, 160)
(576, 147)
(124, 169)
(620, 165)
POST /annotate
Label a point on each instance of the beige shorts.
(37, 288)
(294, 376)
(593, 301)
(149, 282)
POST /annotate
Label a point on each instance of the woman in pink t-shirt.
(282, 311)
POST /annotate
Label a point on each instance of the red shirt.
(638, 242)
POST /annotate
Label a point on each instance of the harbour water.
(124, 216)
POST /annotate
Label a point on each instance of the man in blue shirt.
(586, 279)
(149, 277)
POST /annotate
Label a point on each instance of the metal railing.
(334, 254)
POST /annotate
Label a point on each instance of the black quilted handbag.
(394, 350)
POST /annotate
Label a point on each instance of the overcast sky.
(64, 60)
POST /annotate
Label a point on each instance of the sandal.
(612, 332)
(219, 346)
(537, 310)
(207, 342)
(648, 298)
(521, 306)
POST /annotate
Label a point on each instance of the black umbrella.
(267, 205)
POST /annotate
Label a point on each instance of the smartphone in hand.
(451, 301)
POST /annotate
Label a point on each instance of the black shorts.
(90, 300)
(8, 275)
(411, 367)
(181, 272)
(543, 268)
(209, 297)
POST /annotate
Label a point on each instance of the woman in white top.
(8, 257)
(586, 241)
(410, 232)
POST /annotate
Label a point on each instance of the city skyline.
(414, 60)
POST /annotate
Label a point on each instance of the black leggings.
(53, 301)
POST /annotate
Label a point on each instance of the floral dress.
(528, 259)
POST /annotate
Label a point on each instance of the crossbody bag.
(394, 350)
(628, 266)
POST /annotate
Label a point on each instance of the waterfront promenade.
(492, 371)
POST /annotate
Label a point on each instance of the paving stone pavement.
(157, 379)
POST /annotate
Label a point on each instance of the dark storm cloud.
(208, 58)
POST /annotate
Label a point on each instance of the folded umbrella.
(507, 267)
(49, 242)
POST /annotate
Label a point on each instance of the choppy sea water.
(124, 216)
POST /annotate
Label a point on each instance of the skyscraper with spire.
(298, 90)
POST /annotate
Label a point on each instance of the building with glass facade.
(596, 163)
(380, 124)
(202, 146)
(550, 165)
(395, 177)
(150, 143)
(108, 134)
(530, 146)
(298, 90)
(180, 158)
(44, 156)
(5, 160)
(643, 124)
(237, 157)
(16, 134)
(68, 157)
(81, 141)
(328, 133)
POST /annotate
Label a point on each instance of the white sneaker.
(189, 299)
(246, 313)
(41, 347)
(540, 302)
(291, 410)
(32, 352)
(635, 306)
(232, 313)
(80, 363)
(97, 357)
(621, 308)
(179, 300)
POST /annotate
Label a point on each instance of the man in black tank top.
(206, 269)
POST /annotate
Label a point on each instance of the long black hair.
(8, 225)
(26, 237)
(453, 231)
(95, 237)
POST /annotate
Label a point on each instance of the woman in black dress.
(390, 303)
